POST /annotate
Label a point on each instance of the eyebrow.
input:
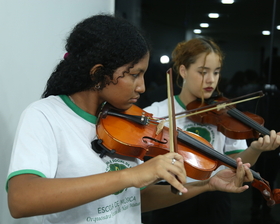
(138, 70)
(203, 67)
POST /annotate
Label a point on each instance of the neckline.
(83, 114)
(179, 101)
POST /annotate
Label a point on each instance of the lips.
(135, 99)
(209, 89)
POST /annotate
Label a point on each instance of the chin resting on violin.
(198, 62)
(54, 173)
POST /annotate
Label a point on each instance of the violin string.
(214, 154)
(247, 120)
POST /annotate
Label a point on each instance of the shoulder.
(45, 104)
(158, 109)
(44, 109)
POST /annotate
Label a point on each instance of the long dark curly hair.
(100, 39)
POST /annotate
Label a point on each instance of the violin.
(135, 133)
(229, 120)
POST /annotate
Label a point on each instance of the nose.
(140, 85)
(210, 77)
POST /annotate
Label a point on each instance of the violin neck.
(210, 152)
(248, 121)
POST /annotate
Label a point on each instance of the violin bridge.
(160, 126)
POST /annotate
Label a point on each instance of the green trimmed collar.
(177, 98)
(89, 117)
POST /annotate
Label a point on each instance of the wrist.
(254, 149)
(126, 178)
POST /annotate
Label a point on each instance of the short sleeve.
(35, 149)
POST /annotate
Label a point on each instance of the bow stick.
(172, 124)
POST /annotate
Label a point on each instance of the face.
(128, 88)
(201, 78)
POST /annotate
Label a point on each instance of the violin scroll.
(276, 195)
(271, 197)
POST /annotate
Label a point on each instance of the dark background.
(247, 68)
(238, 31)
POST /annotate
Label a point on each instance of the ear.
(183, 71)
(94, 68)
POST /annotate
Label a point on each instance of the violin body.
(232, 127)
(137, 140)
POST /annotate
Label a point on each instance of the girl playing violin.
(198, 62)
(56, 177)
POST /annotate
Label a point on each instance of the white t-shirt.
(219, 141)
(53, 140)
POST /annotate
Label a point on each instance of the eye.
(217, 72)
(135, 75)
(202, 72)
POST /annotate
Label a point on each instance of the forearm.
(160, 196)
(249, 155)
(227, 180)
(31, 195)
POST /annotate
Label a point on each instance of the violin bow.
(172, 123)
(171, 112)
(217, 106)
